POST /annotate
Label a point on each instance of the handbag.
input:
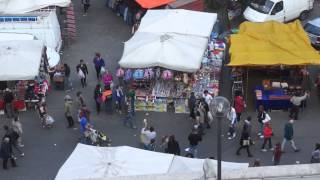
(102, 70)
(81, 74)
(246, 142)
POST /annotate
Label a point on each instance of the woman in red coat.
(239, 104)
(267, 134)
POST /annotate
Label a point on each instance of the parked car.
(278, 10)
(313, 30)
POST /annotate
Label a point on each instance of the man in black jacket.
(194, 139)
(82, 71)
(6, 153)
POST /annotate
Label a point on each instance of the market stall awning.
(168, 50)
(148, 4)
(178, 21)
(23, 6)
(91, 162)
(20, 60)
(270, 44)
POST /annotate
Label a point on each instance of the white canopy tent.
(52, 55)
(179, 21)
(45, 28)
(23, 6)
(90, 162)
(168, 50)
(20, 60)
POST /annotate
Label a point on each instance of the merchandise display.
(157, 87)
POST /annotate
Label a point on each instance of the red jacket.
(239, 104)
(267, 132)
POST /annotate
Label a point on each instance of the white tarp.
(90, 162)
(23, 6)
(20, 60)
(172, 51)
(178, 21)
(46, 28)
(53, 56)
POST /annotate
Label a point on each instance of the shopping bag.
(210, 117)
(246, 142)
(49, 120)
(102, 70)
(81, 74)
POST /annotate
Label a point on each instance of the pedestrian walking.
(200, 118)
(244, 143)
(247, 125)
(147, 134)
(207, 97)
(6, 153)
(42, 111)
(8, 103)
(107, 79)
(267, 135)
(288, 135)
(67, 72)
(79, 103)
(277, 154)
(173, 146)
(192, 105)
(13, 137)
(194, 139)
(239, 104)
(128, 120)
(118, 98)
(296, 101)
(17, 127)
(99, 65)
(232, 116)
(107, 99)
(315, 156)
(132, 96)
(68, 110)
(263, 117)
(98, 97)
(85, 112)
(86, 5)
(82, 72)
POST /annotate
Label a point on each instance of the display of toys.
(148, 73)
(167, 75)
(128, 75)
(120, 72)
(138, 74)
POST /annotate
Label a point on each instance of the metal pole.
(219, 148)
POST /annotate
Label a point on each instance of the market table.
(273, 99)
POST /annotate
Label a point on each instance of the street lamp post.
(219, 107)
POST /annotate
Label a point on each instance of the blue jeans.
(261, 128)
(129, 120)
(194, 150)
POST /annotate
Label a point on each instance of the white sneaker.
(271, 149)
(263, 150)
(21, 145)
(234, 135)
(22, 154)
(261, 136)
(229, 137)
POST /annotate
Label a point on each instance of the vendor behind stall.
(8, 102)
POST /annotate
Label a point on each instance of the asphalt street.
(102, 31)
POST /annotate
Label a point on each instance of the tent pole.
(247, 85)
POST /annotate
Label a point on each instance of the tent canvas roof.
(91, 162)
(178, 21)
(172, 51)
(23, 6)
(20, 60)
(270, 44)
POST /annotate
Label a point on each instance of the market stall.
(283, 51)
(165, 63)
(23, 64)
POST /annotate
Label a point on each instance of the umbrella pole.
(247, 84)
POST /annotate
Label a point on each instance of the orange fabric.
(153, 3)
(106, 94)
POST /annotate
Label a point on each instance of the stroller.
(97, 138)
